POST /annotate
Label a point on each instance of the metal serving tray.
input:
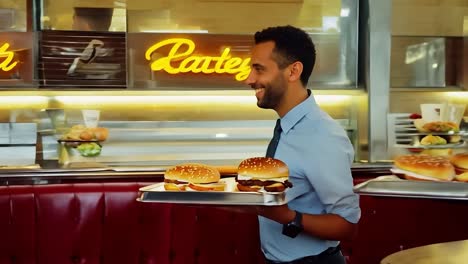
(157, 194)
(459, 144)
(414, 189)
(404, 134)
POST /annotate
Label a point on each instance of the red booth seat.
(103, 223)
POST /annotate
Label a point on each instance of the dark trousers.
(330, 256)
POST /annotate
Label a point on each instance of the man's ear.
(295, 71)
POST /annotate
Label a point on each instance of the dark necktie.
(274, 141)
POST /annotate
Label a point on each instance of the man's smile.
(259, 92)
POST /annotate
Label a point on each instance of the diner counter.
(52, 215)
(369, 179)
(52, 172)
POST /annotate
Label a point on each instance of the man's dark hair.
(291, 44)
(99, 19)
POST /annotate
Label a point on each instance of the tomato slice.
(415, 116)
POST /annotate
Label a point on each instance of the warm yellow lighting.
(7, 64)
(322, 99)
(458, 95)
(15, 102)
(152, 100)
(197, 64)
(81, 101)
(146, 99)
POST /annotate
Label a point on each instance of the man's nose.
(250, 79)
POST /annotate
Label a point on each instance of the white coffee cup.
(431, 112)
(91, 117)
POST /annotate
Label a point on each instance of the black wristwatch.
(293, 228)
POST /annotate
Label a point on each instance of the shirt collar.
(298, 112)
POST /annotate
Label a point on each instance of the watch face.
(291, 230)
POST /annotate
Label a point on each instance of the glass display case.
(13, 15)
(428, 49)
(82, 15)
(98, 54)
(428, 63)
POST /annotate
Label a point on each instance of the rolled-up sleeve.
(329, 172)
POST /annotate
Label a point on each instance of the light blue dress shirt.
(319, 156)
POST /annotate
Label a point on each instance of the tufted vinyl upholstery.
(87, 223)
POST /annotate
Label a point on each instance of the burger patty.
(174, 181)
(263, 183)
(180, 182)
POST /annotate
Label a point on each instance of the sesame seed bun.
(262, 174)
(193, 173)
(435, 167)
(460, 161)
(260, 168)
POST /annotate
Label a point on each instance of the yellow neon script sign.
(6, 64)
(196, 64)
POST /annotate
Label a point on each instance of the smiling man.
(322, 208)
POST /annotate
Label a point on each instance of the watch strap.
(293, 228)
(298, 219)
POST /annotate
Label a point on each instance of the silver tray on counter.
(413, 189)
(459, 144)
(157, 194)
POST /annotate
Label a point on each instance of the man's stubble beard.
(273, 94)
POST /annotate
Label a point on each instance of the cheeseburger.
(441, 126)
(435, 126)
(460, 162)
(260, 173)
(462, 177)
(424, 167)
(194, 177)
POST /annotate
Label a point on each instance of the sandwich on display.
(423, 167)
(460, 162)
(439, 125)
(262, 174)
(86, 140)
(257, 174)
(432, 168)
(438, 132)
(260, 181)
(193, 177)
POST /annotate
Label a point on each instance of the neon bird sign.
(187, 62)
(7, 64)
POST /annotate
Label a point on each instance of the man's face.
(266, 78)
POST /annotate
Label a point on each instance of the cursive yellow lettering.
(6, 64)
(205, 68)
(230, 65)
(190, 64)
(179, 60)
(165, 62)
(224, 56)
(244, 70)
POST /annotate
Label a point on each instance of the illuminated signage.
(180, 60)
(6, 64)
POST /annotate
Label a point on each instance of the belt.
(310, 259)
